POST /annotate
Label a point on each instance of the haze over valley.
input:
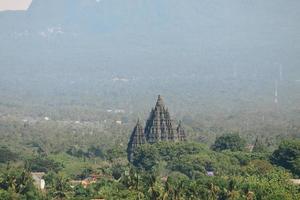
(76, 75)
(211, 59)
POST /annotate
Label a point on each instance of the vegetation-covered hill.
(166, 171)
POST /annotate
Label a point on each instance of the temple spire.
(137, 138)
(159, 128)
(180, 132)
(160, 101)
(159, 124)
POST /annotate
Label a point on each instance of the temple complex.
(159, 127)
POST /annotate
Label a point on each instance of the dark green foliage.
(94, 151)
(271, 185)
(245, 158)
(6, 155)
(146, 157)
(59, 187)
(44, 164)
(115, 152)
(77, 152)
(91, 152)
(288, 156)
(117, 171)
(170, 151)
(199, 164)
(84, 174)
(80, 191)
(193, 166)
(50, 178)
(161, 171)
(17, 183)
(230, 141)
(258, 167)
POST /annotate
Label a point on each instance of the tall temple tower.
(159, 128)
(159, 124)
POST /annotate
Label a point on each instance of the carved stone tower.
(158, 128)
(137, 138)
(181, 133)
(159, 125)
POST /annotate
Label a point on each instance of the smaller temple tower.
(258, 145)
(181, 136)
(137, 138)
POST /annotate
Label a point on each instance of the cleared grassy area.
(73, 165)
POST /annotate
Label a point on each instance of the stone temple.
(159, 128)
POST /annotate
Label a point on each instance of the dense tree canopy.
(6, 155)
(43, 164)
(162, 171)
(288, 156)
(230, 141)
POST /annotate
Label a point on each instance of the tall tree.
(288, 156)
(229, 141)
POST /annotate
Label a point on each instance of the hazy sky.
(14, 4)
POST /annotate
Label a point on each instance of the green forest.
(226, 169)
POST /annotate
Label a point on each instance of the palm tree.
(168, 191)
(178, 190)
(23, 182)
(60, 188)
(156, 190)
(213, 195)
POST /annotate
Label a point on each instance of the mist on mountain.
(210, 54)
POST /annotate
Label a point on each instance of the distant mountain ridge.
(199, 46)
(195, 31)
(202, 17)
